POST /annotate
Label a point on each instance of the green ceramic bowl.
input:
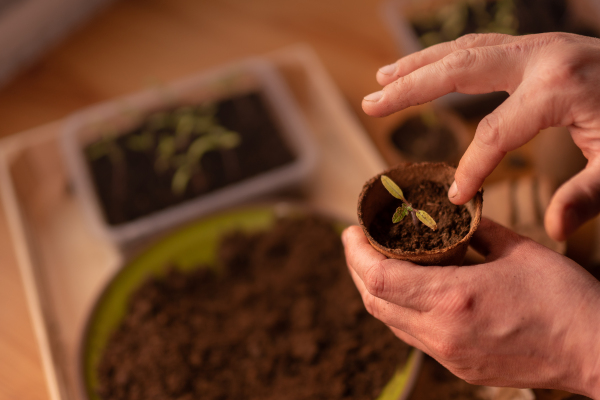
(191, 246)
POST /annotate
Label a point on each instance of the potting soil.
(453, 222)
(281, 319)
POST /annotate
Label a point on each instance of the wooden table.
(136, 43)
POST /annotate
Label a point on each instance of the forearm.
(586, 348)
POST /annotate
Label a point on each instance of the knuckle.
(375, 280)
(488, 131)
(448, 350)
(544, 39)
(516, 48)
(466, 41)
(560, 37)
(459, 60)
(460, 304)
(564, 71)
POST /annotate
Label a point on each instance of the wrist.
(589, 348)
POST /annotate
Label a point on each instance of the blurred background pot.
(423, 133)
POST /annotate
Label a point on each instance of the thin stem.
(415, 221)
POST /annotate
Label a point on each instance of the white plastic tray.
(249, 75)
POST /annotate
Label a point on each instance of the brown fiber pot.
(374, 197)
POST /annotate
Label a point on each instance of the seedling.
(406, 207)
(470, 16)
(189, 164)
(180, 139)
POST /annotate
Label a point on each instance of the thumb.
(575, 202)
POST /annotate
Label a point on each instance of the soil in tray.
(420, 142)
(140, 185)
(530, 16)
(453, 221)
(282, 320)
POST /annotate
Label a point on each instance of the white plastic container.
(126, 113)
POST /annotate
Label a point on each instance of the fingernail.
(453, 192)
(388, 69)
(374, 96)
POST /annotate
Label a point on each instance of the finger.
(492, 240)
(414, 61)
(405, 319)
(473, 70)
(575, 202)
(517, 120)
(359, 252)
(399, 282)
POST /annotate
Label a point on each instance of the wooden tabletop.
(133, 44)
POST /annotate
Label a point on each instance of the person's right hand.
(553, 80)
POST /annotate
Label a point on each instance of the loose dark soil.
(137, 189)
(453, 221)
(282, 321)
(419, 142)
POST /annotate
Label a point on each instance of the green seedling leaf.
(426, 219)
(185, 125)
(180, 179)
(391, 187)
(166, 146)
(229, 140)
(166, 151)
(199, 147)
(400, 213)
(203, 123)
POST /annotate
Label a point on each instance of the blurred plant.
(406, 207)
(106, 147)
(468, 16)
(180, 138)
(218, 138)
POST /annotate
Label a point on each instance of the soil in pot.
(150, 168)
(453, 222)
(280, 320)
(515, 17)
(420, 141)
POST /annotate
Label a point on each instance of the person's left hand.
(528, 317)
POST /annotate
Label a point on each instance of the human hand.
(553, 80)
(528, 317)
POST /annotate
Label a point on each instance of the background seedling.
(180, 138)
(406, 207)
